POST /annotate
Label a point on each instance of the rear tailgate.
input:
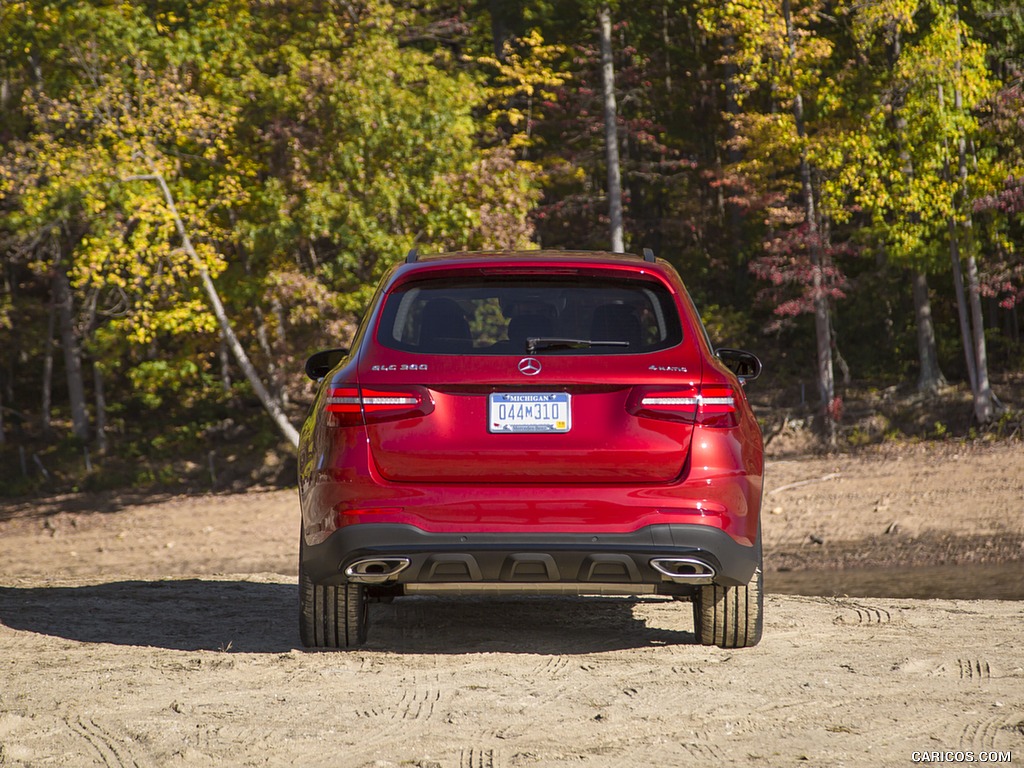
(603, 442)
(530, 377)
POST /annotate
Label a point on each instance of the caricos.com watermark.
(960, 756)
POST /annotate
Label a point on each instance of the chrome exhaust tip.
(684, 570)
(376, 570)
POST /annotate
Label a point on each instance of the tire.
(331, 616)
(729, 617)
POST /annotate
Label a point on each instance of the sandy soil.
(163, 633)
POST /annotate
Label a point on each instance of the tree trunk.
(966, 335)
(506, 24)
(47, 388)
(984, 402)
(666, 43)
(733, 155)
(99, 397)
(269, 403)
(826, 376)
(930, 377)
(281, 318)
(822, 324)
(72, 353)
(972, 328)
(225, 365)
(263, 338)
(101, 409)
(984, 405)
(611, 133)
(10, 358)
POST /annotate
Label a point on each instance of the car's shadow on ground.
(562, 625)
(185, 615)
(254, 617)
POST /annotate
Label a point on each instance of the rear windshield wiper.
(535, 344)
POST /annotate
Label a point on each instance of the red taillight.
(712, 405)
(717, 406)
(349, 406)
(678, 404)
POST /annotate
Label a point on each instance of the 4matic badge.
(668, 368)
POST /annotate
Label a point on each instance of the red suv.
(539, 422)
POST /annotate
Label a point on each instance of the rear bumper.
(533, 560)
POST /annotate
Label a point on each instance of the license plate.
(518, 412)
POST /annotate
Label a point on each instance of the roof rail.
(413, 256)
(648, 255)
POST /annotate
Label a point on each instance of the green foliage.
(526, 77)
(310, 145)
(307, 151)
(727, 326)
(893, 164)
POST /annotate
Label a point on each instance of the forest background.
(840, 184)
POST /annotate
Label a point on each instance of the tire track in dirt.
(970, 670)
(992, 733)
(476, 757)
(701, 748)
(112, 753)
(974, 669)
(858, 614)
(556, 666)
(400, 719)
(416, 703)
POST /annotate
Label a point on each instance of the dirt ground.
(162, 632)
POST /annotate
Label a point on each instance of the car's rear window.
(502, 315)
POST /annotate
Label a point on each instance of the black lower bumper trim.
(507, 558)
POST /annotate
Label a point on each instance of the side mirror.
(745, 365)
(320, 363)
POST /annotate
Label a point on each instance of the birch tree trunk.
(272, 407)
(966, 335)
(972, 327)
(984, 406)
(930, 377)
(611, 133)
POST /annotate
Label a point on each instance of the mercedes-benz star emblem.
(529, 366)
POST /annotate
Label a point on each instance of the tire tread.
(331, 616)
(730, 617)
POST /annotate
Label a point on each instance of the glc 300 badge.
(402, 367)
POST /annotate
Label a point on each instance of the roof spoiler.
(414, 255)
